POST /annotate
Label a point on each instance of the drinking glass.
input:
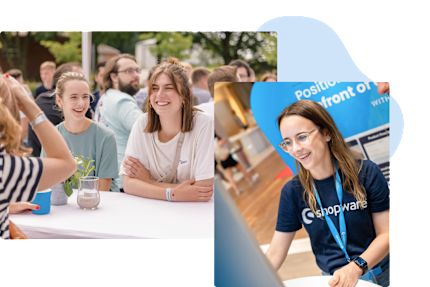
(88, 192)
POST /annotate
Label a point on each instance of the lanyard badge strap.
(341, 239)
(342, 224)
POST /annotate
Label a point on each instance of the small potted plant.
(62, 191)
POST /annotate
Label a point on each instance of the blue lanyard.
(340, 239)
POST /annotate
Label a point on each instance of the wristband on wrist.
(168, 192)
(40, 118)
(361, 263)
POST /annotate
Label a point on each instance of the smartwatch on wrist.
(361, 263)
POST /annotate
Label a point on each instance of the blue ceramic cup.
(43, 199)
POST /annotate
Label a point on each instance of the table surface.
(120, 215)
(320, 281)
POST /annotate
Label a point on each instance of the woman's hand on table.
(18, 207)
(347, 276)
(190, 190)
(135, 169)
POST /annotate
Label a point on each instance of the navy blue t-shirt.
(295, 212)
(40, 90)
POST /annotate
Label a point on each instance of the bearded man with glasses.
(118, 109)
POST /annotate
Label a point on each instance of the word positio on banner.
(339, 97)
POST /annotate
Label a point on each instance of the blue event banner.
(356, 107)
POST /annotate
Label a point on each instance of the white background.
(387, 41)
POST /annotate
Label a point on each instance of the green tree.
(69, 51)
(268, 51)
(13, 48)
(123, 41)
(169, 44)
(257, 48)
(16, 49)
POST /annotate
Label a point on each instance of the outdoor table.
(120, 215)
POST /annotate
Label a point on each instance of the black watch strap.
(361, 263)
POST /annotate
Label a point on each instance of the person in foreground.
(169, 154)
(21, 176)
(83, 136)
(343, 203)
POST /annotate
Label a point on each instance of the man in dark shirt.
(47, 70)
(100, 69)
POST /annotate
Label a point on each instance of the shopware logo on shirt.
(308, 215)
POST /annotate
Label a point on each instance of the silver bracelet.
(39, 119)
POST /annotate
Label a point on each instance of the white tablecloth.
(320, 281)
(120, 215)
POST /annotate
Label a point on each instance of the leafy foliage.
(85, 167)
(170, 44)
(257, 48)
(208, 48)
(123, 41)
(69, 51)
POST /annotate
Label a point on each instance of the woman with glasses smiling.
(83, 136)
(342, 202)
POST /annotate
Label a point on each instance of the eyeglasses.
(302, 139)
(130, 71)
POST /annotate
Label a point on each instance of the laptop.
(239, 260)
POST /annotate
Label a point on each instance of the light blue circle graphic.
(309, 50)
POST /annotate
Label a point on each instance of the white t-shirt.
(196, 159)
(207, 107)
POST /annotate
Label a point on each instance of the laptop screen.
(238, 258)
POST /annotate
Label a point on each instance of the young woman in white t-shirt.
(169, 154)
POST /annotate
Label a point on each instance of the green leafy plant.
(68, 51)
(85, 167)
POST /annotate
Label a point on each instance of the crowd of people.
(154, 141)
